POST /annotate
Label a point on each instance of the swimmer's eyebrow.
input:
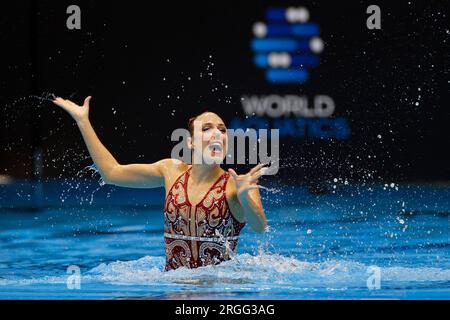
(221, 125)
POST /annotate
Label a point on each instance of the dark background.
(135, 58)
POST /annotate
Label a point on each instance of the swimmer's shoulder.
(172, 168)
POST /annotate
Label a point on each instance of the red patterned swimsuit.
(202, 235)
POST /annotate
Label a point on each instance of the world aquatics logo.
(287, 46)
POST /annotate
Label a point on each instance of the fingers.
(259, 173)
(254, 174)
(60, 102)
(256, 168)
(233, 173)
(252, 186)
(57, 100)
(87, 100)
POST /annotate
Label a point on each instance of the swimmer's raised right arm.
(131, 175)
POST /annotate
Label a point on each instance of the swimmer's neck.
(203, 172)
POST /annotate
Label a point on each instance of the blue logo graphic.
(287, 46)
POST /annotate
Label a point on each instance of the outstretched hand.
(78, 113)
(248, 181)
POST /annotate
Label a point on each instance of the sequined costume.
(200, 235)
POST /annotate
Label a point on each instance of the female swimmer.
(205, 208)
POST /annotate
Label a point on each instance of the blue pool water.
(318, 246)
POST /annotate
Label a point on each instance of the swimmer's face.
(209, 140)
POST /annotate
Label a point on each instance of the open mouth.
(215, 147)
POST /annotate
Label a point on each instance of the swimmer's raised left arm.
(249, 206)
(135, 175)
